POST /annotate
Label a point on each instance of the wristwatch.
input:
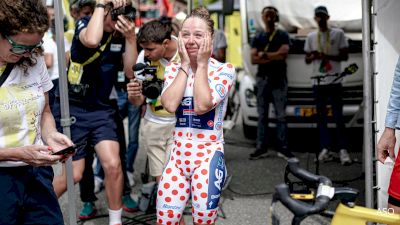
(99, 5)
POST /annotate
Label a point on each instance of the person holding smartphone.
(28, 134)
(197, 91)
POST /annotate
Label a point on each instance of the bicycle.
(347, 211)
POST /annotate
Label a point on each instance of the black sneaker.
(285, 154)
(258, 154)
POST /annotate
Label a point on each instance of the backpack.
(147, 197)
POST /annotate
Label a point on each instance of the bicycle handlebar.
(294, 168)
(300, 208)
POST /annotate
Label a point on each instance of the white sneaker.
(98, 184)
(130, 178)
(344, 157)
(325, 155)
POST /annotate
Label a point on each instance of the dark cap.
(84, 3)
(321, 10)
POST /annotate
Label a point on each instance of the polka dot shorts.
(195, 169)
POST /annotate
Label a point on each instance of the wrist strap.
(180, 68)
(99, 5)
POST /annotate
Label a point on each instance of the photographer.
(155, 133)
(95, 56)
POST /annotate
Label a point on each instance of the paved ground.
(247, 199)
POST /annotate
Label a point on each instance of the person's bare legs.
(60, 181)
(108, 153)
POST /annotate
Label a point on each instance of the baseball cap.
(83, 3)
(321, 10)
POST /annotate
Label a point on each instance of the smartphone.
(68, 150)
(65, 151)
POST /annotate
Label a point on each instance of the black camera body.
(152, 86)
(78, 90)
(128, 11)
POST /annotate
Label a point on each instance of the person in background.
(326, 49)
(269, 51)
(89, 94)
(196, 90)
(51, 58)
(28, 134)
(133, 112)
(387, 142)
(81, 8)
(219, 46)
(155, 135)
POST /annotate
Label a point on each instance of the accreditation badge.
(75, 72)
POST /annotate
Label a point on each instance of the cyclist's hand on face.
(205, 50)
(185, 60)
(386, 145)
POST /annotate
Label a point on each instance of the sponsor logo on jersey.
(229, 75)
(216, 179)
(220, 90)
(218, 126)
(166, 206)
(187, 101)
(188, 112)
(187, 117)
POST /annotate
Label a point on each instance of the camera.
(152, 86)
(128, 11)
(78, 90)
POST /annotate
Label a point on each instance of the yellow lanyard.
(269, 40)
(2, 68)
(327, 43)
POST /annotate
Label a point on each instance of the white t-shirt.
(336, 40)
(21, 106)
(50, 47)
(207, 127)
(152, 114)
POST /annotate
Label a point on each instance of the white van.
(297, 17)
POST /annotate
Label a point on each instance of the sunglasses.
(22, 49)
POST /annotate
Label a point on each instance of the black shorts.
(92, 126)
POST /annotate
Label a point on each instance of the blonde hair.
(202, 13)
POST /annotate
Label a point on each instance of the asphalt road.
(248, 196)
